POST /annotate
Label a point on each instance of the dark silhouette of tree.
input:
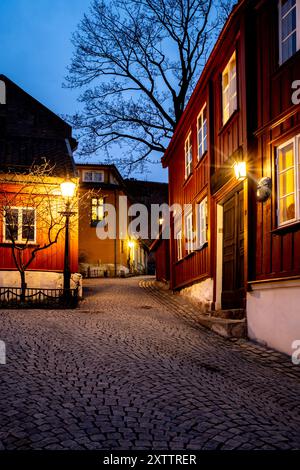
(138, 61)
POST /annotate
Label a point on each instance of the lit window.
(20, 225)
(229, 89)
(202, 133)
(288, 182)
(97, 210)
(288, 33)
(179, 244)
(202, 223)
(188, 155)
(189, 232)
(93, 176)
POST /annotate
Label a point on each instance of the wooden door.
(233, 290)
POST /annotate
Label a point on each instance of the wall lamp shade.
(67, 189)
(131, 244)
(264, 189)
(240, 170)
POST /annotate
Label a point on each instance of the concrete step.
(229, 328)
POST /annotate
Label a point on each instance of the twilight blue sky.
(35, 49)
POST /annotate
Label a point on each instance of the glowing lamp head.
(67, 189)
(240, 170)
(161, 220)
(131, 244)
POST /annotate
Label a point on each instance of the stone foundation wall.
(39, 279)
(201, 293)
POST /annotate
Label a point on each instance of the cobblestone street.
(127, 370)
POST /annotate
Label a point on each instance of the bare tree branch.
(137, 62)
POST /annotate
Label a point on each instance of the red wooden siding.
(50, 259)
(162, 261)
(277, 251)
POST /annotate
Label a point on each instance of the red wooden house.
(273, 297)
(31, 134)
(236, 235)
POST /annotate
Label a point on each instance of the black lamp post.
(67, 191)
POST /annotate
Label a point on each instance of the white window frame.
(203, 139)
(296, 142)
(297, 6)
(188, 153)
(20, 240)
(179, 244)
(202, 223)
(230, 90)
(93, 178)
(188, 230)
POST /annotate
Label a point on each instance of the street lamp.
(131, 245)
(67, 190)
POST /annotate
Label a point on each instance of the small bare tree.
(142, 58)
(32, 211)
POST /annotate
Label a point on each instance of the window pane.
(287, 208)
(28, 224)
(205, 144)
(178, 240)
(100, 212)
(225, 80)
(286, 182)
(188, 156)
(288, 24)
(289, 47)
(11, 224)
(286, 157)
(97, 177)
(286, 5)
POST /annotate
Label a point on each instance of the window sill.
(228, 122)
(29, 244)
(189, 255)
(287, 63)
(187, 179)
(200, 248)
(199, 160)
(292, 227)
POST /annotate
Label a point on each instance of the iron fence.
(13, 297)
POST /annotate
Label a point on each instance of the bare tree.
(142, 58)
(32, 211)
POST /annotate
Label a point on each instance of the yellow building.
(118, 256)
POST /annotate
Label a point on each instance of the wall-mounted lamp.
(160, 220)
(264, 189)
(240, 170)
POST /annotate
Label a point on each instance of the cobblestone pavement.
(129, 370)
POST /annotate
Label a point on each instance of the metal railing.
(13, 297)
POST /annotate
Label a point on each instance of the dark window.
(20, 225)
(288, 29)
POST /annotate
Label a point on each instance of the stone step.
(230, 314)
(225, 327)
